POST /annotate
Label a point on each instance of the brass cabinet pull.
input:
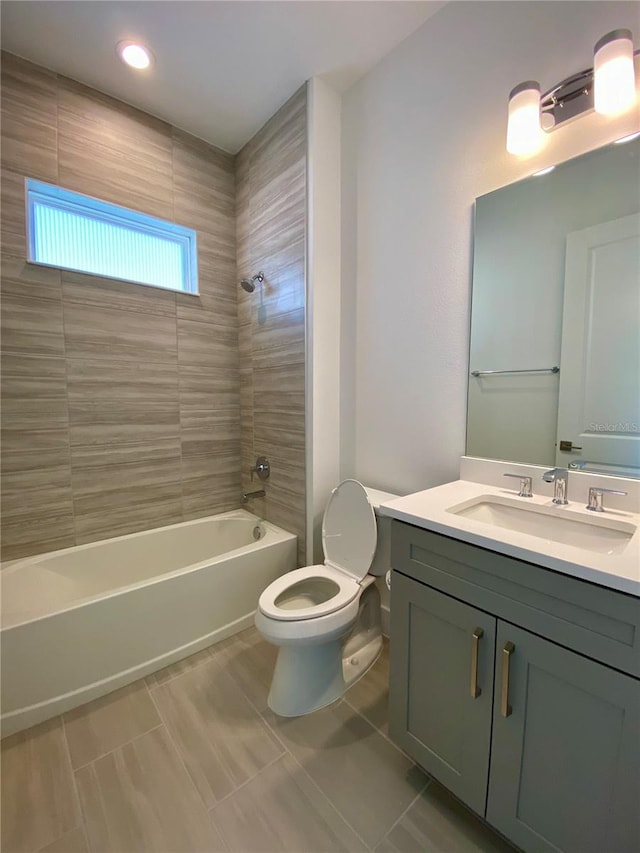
(475, 641)
(508, 650)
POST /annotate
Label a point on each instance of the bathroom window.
(76, 232)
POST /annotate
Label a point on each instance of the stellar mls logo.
(618, 427)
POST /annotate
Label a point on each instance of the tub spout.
(260, 493)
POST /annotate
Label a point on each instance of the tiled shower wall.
(120, 403)
(271, 216)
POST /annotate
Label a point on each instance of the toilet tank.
(382, 558)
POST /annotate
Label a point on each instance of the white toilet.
(326, 619)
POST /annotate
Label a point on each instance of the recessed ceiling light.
(626, 138)
(134, 54)
(543, 172)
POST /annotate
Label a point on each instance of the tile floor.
(191, 759)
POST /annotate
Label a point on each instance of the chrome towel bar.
(534, 370)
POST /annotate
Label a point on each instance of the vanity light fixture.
(608, 87)
(134, 54)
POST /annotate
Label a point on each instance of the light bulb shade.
(614, 85)
(524, 132)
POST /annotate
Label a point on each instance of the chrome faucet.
(247, 496)
(559, 477)
(595, 497)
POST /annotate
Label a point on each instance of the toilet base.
(308, 678)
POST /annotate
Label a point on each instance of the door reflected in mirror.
(555, 319)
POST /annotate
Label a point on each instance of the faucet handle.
(525, 485)
(595, 497)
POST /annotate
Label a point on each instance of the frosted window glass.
(75, 232)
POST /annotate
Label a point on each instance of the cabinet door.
(565, 762)
(433, 715)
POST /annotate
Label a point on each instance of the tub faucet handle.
(262, 468)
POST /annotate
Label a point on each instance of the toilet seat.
(349, 537)
(347, 590)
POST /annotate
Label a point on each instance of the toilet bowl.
(326, 619)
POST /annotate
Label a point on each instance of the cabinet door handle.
(475, 642)
(508, 650)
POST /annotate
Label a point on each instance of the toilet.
(326, 619)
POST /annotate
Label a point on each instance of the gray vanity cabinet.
(435, 718)
(565, 761)
(538, 737)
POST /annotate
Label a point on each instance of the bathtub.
(81, 622)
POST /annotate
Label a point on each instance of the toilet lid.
(349, 531)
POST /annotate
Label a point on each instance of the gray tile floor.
(191, 759)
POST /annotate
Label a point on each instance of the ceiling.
(222, 68)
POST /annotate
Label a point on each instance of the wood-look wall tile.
(280, 388)
(284, 285)
(135, 489)
(35, 441)
(204, 433)
(120, 295)
(113, 152)
(92, 332)
(39, 802)
(281, 433)
(127, 511)
(207, 345)
(32, 377)
(206, 389)
(284, 332)
(209, 215)
(31, 414)
(13, 225)
(217, 299)
(140, 798)
(280, 143)
(29, 119)
(93, 380)
(203, 170)
(210, 483)
(109, 120)
(31, 326)
(107, 421)
(121, 176)
(29, 280)
(158, 454)
(36, 508)
(278, 211)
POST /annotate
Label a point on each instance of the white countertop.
(428, 510)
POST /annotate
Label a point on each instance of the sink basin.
(551, 523)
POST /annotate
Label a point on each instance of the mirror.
(555, 317)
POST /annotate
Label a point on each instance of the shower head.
(249, 284)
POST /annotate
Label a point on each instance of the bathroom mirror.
(554, 374)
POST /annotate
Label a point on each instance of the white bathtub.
(79, 623)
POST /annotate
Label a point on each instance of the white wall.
(323, 307)
(423, 136)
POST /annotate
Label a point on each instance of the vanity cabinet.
(517, 688)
